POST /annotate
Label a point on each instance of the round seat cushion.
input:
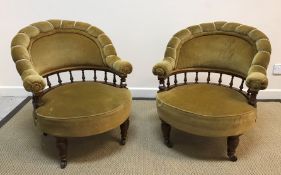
(206, 110)
(83, 109)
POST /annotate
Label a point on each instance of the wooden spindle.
(123, 82)
(71, 77)
(36, 98)
(95, 75)
(59, 79)
(241, 85)
(248, 92)
(196, 77)
(253, 97)
(161, 84)
(220, 79)
(175, 79)
(105, 76)
(114, 79)
(48, 82)
(185, 78)
(83, 75)
(231, 81)
(208, 78)
(168, 82)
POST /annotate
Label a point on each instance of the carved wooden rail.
(94, 78)
(165, 82)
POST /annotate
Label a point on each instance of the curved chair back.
(224, 46)
(55, 45)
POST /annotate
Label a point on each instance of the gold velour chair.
(58, 49)
(220, 51)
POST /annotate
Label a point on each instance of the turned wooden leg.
(62, 147)
(232, 143)
(166, 129)
(124, 129)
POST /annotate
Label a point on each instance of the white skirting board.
(137, 92)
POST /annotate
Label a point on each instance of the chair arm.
(164, 67)
(256, 79)
(32, 81)
(118, 65)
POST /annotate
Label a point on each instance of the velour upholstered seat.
(196, 109)
(202, 81)
(93, 100)
(83, 109)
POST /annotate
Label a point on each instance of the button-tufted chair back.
(53, 45)
(220, 45)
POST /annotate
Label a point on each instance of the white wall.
(139, 30)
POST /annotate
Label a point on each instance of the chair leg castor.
(166, 129)
(232, 158)
(124, 130)
(63, 164)
(232, 143)
(62, 148)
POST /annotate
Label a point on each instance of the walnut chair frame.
(165, 85)
(62, 142)
(255, 79)
(35, 76)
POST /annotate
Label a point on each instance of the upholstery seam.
(161, 101)
(82, 117)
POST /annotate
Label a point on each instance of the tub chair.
(202, 77)
(48, 55)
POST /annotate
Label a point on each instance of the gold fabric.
(206, 109)
(222, 45)
(62, 50)
(83, 109)
(217, 51)
(48, 46)
(77, 109)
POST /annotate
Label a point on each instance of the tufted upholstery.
(75, 108)
(208, 108)
(49, 46)
(52, 45)
(227, 46)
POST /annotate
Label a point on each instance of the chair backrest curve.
(221, 45)
(52, 45)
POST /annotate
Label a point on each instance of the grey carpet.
(23, 149)
(8, 103)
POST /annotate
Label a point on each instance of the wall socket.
(277, 69)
